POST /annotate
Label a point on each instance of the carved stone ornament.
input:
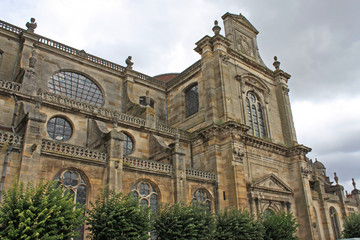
(238, 154)
(82, 53)
(244, 45)
(216, 29)
(276, 63)
(129, 63)
(31, 25)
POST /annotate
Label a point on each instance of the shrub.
(279, 226)
(181, 221)
(41, 212)
(115, 216)
(238, 224)
(352, 226)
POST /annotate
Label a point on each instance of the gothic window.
(72, 181)
(59, 129)
(128, 145)
(334, 223)
(76, 86)
(255, 115)
(201, 196)
(146, 194)
(192, 100)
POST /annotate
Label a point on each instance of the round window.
(59, 129)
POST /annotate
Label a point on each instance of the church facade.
(220, 132)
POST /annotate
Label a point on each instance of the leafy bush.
(279, 226)
(115, 216)
(352, 226)
(179, 221)
(41, 212)
(238, 224)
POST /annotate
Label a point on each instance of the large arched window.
(72, 181)
(201, 196)
(146, 193)
(255, 115)
(335, 223)
(192, 100)
(76, 86)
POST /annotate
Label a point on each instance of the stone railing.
(147, 165)
(165, 128)
(72, 151)
(10, 27)
(150, 79)
(190, 69)
(192, 173)
(13, 86)
(92, 109)
(89, 57)
(10, 138)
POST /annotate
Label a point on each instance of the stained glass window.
(192, 100)
(147, 194)
(255, 115)
(59, 129)
(202, 197)
(76, 86)
(128, 145)
(72, 182)
(334, 223)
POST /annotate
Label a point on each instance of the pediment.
(253, 81)
(242, 20)
(271, 183)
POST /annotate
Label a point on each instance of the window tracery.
(192, 100)
(128, 145)
(334, 223)
(146, 194)
(255, 115)
(201, 196)
(73, 183)
(75, 86)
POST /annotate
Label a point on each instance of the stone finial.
(31, 25)
(353, 183)
(216, 29)
(336, 179)
(129, 63)
(276, 63)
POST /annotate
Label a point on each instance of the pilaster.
(179, 171)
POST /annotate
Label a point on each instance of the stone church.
(220, 132)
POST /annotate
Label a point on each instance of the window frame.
(66, 120)
(131, 138)
(255, 115)
(335, 222)
(153, 191)
(191, 107)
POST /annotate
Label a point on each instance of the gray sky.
(317, 42)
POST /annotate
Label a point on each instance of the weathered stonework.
(239, 148)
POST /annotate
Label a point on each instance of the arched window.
(72, 181)
(59, 129)
(201, 196)
(334, 223)
(146, 193)
(76, 86)
(255, 115)
(128, 145)
(192, 100)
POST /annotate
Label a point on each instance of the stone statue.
(276, 63)
(32, 59)
(336, 178)
(31, 25)
(353, 183)
(129, 63)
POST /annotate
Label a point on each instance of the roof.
(166, 77)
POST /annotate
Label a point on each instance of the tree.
(115, 216)
(279, 225)
(41, 212)
(352, 226)
(181, 221)
(238, 224)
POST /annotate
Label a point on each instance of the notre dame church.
(220, 132)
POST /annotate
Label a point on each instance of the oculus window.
(75, 86)
(128, 146)
(146, 193)
(192, 100)
(255, 115)
(59, 129)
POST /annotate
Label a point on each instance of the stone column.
(114, 141)
(179, 171)
(30, 156)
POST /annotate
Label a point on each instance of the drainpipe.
(4, 170)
